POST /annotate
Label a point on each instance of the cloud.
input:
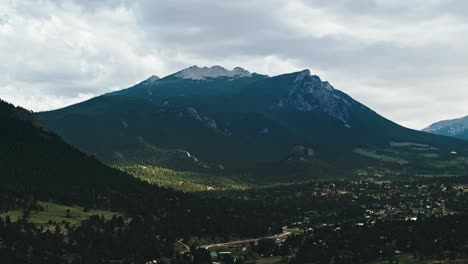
(62, 53)
(404, 59)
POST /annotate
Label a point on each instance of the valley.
(209, 166)
(233, 132)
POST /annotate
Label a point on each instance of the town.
(361, 221)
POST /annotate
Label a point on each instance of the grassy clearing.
(450, 163)
(408, 144)
(184, 181)
(424, 149)
(58, 214)
(429, 162)
(382, 157)
(270, 260)
(430, 155)
(435, 175)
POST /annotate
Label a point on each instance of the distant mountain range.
(453, 128)
(288, 127)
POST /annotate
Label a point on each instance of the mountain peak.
(302, 75)
(305, 78)
(198, 73)
(309, 93)
(305, 72)
(152, 79)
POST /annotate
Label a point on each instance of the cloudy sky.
(408, 60)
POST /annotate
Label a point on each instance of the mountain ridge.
(196, 73)
(244, 124)
(457, 127)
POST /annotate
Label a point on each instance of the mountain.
(37, 165)
(36, 161)
(43, 179)
(288, 127)
(453, 128)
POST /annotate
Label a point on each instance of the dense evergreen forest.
(38, 166)
(335, 221)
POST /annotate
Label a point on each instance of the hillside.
(453, 128)
(281, 128)
(35, 160)
(51, 192)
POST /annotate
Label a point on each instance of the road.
(236, 242)
(187, 248)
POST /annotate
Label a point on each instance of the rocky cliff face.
(197, 73)
(310, 93)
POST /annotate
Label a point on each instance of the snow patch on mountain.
(452, 127)
(197, 73)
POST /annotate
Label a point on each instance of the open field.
(387, 157)
(419, 159)
(56, 213)
(408, 144)
(429, 155)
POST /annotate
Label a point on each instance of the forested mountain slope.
(38, 166)
(287, 127)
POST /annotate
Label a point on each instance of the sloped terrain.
(453, 128)
(287, 127)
